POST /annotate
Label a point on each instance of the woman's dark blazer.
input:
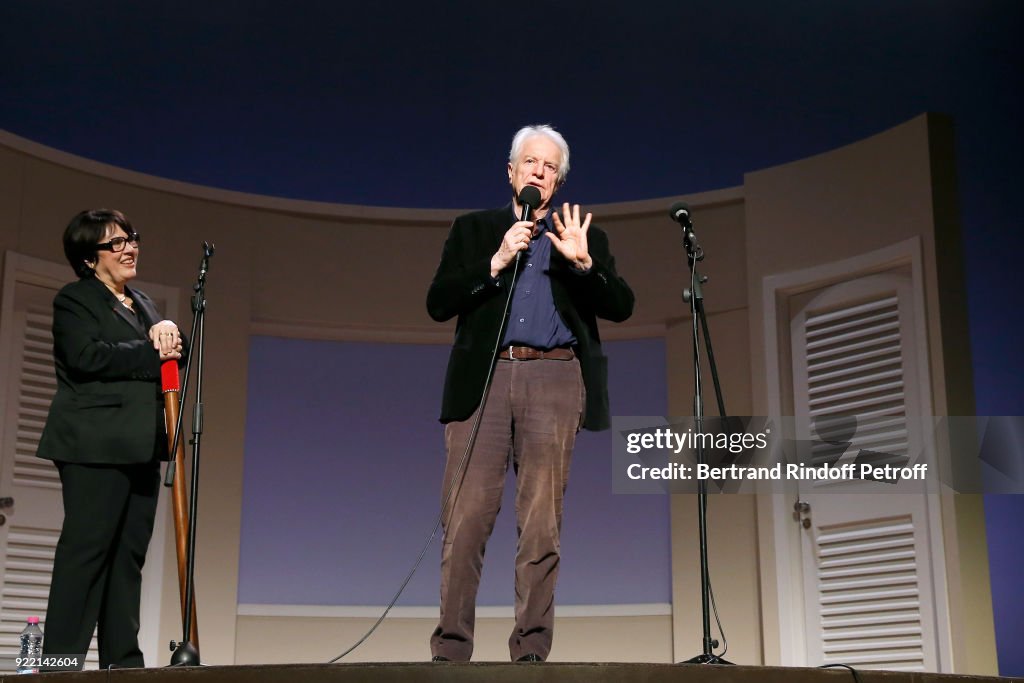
(463, 286)
(108, 406)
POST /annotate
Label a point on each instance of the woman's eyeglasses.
(117, 243)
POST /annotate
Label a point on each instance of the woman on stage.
(105, 433)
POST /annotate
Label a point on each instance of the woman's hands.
(166, 339)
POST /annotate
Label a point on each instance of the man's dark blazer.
(108, 405)
(463, 286)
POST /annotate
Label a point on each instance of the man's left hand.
(570, 237)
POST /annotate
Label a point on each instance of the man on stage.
(550, 379)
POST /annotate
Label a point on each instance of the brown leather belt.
(530, 353)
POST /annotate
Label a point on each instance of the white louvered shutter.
(868, 589)
(37, 385)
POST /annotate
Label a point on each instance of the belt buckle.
(511, 352)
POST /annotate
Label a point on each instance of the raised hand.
(570, 236)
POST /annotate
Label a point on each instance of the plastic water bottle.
(31, 647)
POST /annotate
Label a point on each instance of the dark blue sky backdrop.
(413, 104)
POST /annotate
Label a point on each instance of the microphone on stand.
(680, 213)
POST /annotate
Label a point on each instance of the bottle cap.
(33, 620)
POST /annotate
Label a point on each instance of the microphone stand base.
(707, 659)
(184, 655)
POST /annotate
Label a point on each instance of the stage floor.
(493, 672)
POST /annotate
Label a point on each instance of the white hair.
(547, 131)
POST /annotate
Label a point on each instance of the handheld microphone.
(529, 198)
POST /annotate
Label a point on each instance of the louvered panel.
(874, 405)
(896, 438)
(840, 394)
(31, 420)
(37, 345)
(838, 323)
(829, 455)
(883, 450)
(39, 376)
(869, 567)
(37, 341)
(856, 338)
(32, 471)
(870, 582)
(880, 352)
(39, 356)
(864, 548)
(856, 379)
(30, 423)
(38, 359)
(881, 444)
(896, 633)
(36, 389)
(893, 638)
(26, 584)
(37, 396)
(867, 558)
(894, 409)
(35, 405)
(907, 608)
(39, 319)
(26, 587)
(852, 312)
(842, 318)
(870, 600)
(840, 331)
(838, 428)
(841, 537)
(876, 598)
(876, 347)
(843, 368)
(869, 427)
(837, 624)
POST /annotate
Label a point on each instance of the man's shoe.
(439, 658)
(530, 658)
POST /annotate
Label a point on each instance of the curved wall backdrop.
(305, 438)
(343, 463)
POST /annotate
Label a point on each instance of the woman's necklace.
(122, 299)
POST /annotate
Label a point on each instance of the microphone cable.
(452, 493)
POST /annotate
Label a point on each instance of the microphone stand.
(185, 653)
(694, 296)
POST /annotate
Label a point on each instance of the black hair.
(85, 231)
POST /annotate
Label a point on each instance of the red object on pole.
(171, 385)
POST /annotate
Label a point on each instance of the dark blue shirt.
(533, 319)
